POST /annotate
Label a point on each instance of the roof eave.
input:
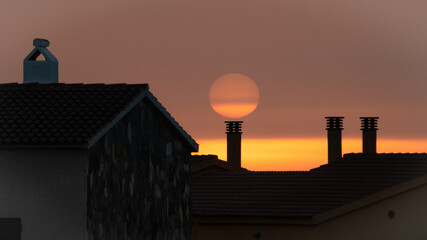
(144, 94)
(210, 163)
(187, 137)
(371, 199)
(44, 146)
(252, 220)
(111, 124)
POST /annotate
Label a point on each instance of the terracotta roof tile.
(35, 114)
(302, 194)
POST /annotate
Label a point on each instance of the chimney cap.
(369, 117)
(40, 42)
(369, 123)
(334, 123)
(233, 126)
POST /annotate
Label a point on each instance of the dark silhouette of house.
(355, 196)
(91, 161)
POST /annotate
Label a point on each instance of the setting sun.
(234, 95)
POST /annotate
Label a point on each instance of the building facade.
(92, 161)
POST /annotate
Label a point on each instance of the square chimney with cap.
(36, 71)
(334, 128)
(234, 144)
(369, 134)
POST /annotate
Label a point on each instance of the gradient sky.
(310, 59)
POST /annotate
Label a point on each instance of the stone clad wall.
(139, 180)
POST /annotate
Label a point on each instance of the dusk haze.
(213, 119)
(309, 59)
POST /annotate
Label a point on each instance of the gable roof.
(68, 114)
(322, 193)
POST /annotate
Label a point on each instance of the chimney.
(369, 134)
(334, 127)
(40, 71)
(234, 144)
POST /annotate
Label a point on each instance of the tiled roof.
(196, 159)
(302, 194)
(49, 114)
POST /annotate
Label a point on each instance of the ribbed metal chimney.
(234, 144)
(334, 128)
(40, 71)
(369, 134)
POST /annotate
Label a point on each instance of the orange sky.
(309, 59)
(282, 154)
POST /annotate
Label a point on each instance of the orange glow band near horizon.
(296, 154)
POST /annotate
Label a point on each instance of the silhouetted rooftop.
(65, 114)
(195, 159)
(302, 195)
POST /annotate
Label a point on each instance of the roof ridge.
(73, 84)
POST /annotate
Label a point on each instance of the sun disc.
(234, 95)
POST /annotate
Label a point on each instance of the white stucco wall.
(370, 222)
(46, 188)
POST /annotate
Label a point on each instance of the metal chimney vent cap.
(369, 123)
(233, 126)
(334, 123)
(39, 42)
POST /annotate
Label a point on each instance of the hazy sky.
(310, 58)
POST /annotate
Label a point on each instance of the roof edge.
(110, 125)
(45, 146)
(163, 110)
(371, 199)
(252, 220)
(208, 163)
(144, 94)
(322, 217)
